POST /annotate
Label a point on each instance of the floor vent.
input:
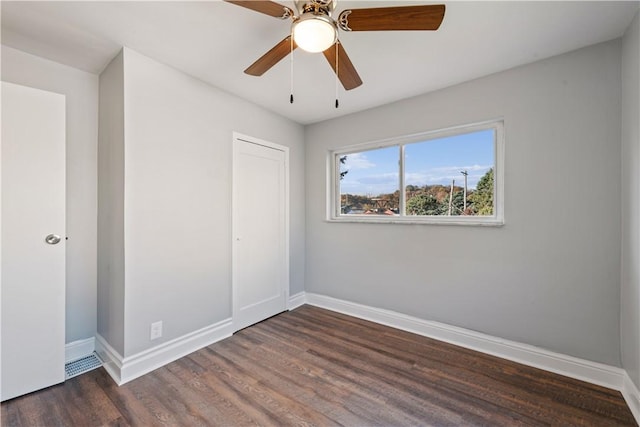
(80, 366)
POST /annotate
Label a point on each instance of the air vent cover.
(80, 366)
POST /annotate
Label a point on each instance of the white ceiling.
(215, 41)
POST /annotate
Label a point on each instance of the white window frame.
(333, 178)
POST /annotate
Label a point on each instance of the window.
(450, 176)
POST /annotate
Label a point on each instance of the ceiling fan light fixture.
(314, 33)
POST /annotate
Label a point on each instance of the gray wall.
(111, 161)
(630, 289)
(549, 277)
(81, 91)
(177, 198)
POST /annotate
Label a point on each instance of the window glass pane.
(451, 176)
(369, 182)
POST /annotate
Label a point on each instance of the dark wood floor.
(315, 367)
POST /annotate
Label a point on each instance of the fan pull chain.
(291, 46)
(337, 78)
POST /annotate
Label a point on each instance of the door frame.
(237, 138)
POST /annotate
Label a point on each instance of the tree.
(457, 204)
(482, 197)
(343, 159)
(423, 204)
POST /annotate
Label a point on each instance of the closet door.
(33, 240)
(260, 229)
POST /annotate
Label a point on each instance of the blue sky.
(436, 161)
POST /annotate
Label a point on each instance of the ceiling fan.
(315, 30)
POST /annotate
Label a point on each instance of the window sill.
(468, 221)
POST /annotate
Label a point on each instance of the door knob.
(52, 239)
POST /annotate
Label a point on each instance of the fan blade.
(264, 6)
(271, 58)
(346, 71)
(426, 17)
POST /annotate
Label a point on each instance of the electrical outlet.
(156, 330)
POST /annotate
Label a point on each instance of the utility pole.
(464, 199)
(453, 182)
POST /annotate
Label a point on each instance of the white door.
(33, 271)
(260, 230)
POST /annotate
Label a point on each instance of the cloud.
(358, 161)
(387, 182)
(383, 178)
(373, 184)
(444, 175)
(457, 169)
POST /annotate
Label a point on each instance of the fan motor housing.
(326, 6)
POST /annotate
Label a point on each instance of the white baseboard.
(297, 300)
(111, 359)
(573, 367)
(78, 349)
(125, 369)
(632, 396)
(585, 370)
